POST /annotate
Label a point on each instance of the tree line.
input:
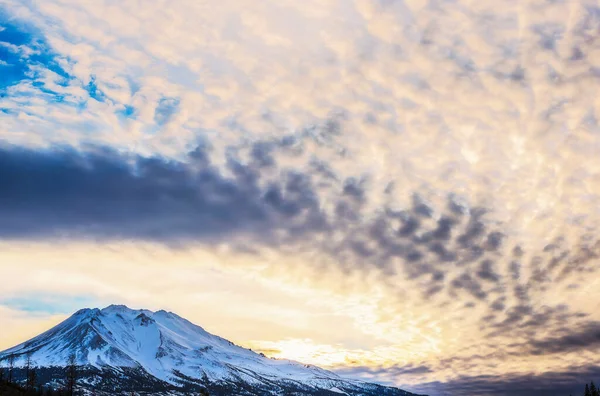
(591, 390)
(30, 385)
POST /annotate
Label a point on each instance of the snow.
(159, 342)
(337, 390)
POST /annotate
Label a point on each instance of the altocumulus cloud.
(101, 193)
(454, 166)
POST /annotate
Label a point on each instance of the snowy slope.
(170, 349)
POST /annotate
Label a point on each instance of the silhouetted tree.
(593, 389)
(31, 379)
(11, 366)
(28, 383)
(587, 391)
(71, 374)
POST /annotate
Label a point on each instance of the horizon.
(142, 310)
(405, 192)
(106, 308)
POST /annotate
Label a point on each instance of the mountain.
(119, 350)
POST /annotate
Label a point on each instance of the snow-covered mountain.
(120, 350)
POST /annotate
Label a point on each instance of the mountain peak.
(116, 308)
(86, 311)
(167, 349)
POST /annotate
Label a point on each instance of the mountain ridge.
(118, 349)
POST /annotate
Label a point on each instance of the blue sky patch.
(127, 111)
(93, 90)
(51, 304)
(12, 67)
(23, 51)
(167, 107)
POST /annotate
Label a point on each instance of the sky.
(403, 191)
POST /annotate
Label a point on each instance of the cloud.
(585, 338)
(48, 304)
(569, 381)
(555, 383)
(25, 54)
(103, 194)
(431, 165)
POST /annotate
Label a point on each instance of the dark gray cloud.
(556, 383)
(561, 383)
(466, 282)
(101, 193)
(486, 271)
(579, 339)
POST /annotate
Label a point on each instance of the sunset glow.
(404, 191)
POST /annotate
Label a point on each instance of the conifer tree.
(593, 390)
(28, 384)
(11, 366)
(31, 379)
(71, 374)
(587, 391)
